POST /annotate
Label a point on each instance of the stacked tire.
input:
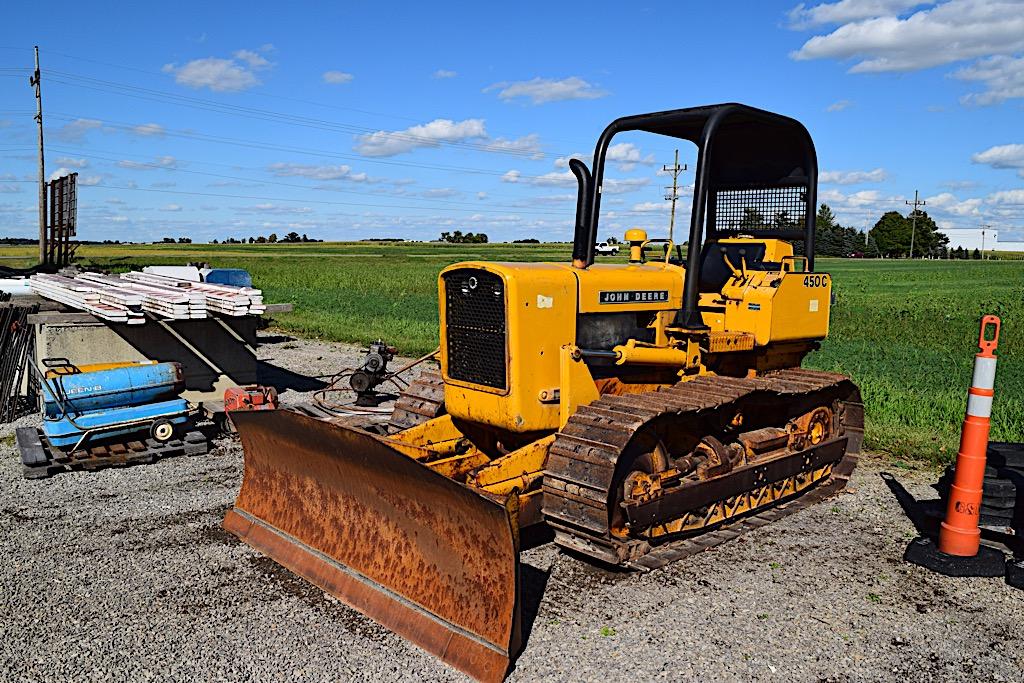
(1002, 501)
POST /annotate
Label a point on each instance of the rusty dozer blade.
(426, 557)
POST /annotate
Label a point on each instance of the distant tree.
(184, 240)
(273, 238)
(530, 240)
(976, 255)
(752, 220)
(292, 237)
(612, 239)
(892, 234)
(457, 237)
(261, 240)
(168, 240)
(214, 241)
(304, 238)
(927, 238)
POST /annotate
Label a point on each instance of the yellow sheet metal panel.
(614, 288)
(777, 307)
(802, 307)
(540, 305)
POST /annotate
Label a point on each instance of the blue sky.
(355, 121)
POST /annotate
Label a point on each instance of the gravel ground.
(125, 574)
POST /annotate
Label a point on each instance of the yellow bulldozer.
(644, 411)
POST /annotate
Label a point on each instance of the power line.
(158, 166)
(149, 94)
(91, 154)
(256, 91)
(256, 144)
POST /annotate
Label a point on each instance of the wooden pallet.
(40, 459)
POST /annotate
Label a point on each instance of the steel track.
(581, 469)
(421, 401)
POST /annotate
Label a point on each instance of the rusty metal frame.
(62, 219)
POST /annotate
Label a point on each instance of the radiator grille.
(753, 211)
(475, 327)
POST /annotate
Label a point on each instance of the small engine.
(372, 371)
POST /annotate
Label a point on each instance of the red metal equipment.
(251, 397)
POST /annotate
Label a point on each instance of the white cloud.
(339, 172)
(481, 195)
(159, 162)
(89, 180)
(947, 202)
(269, 207)
(526, 145)
(149, 130)
(254, 59)
(623, 185)
(9, 188)
(1002, 75)
(337, 77)
(441, 192)
(222, 75)
(964, 28)
(627, 156)
(1002, 156)
(543, 90)
(960, 184)
(444, 73)
(846, 11)
(389, 143)
(989, 31)
(651, 207)
(567, 179)
(839, 106)
(171, 207)
(76, 130)
(853, 177)
(554, 178)
(563, 162)
(1015, 197)
(73, 163)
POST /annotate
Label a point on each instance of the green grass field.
(904, 330)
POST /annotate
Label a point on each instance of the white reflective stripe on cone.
(979, 406)
(984, 373)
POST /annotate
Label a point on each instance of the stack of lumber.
(224, 299)
(163, 302)
(103, 302)
(127, 298)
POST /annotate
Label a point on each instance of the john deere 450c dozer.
(644, 411)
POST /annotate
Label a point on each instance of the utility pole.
(983, 228)
(675, 169)
(34, 82)
(913, 220)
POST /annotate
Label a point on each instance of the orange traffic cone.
(959, 551)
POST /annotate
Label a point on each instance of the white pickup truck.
(605, 249)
